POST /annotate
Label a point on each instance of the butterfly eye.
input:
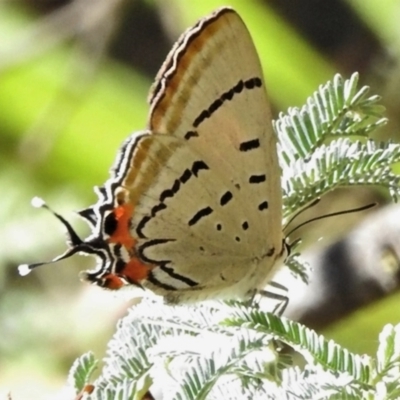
(110, 224)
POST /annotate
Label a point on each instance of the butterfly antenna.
(74, 242)
(334, 214)
(315, 202)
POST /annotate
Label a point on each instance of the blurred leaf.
(82, 370)
(381, 16)
(358, 331)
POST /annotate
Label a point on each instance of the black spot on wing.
(165, 194)
(257, 178)
(170, 192)
(238, 87)
(226, 96)
(176, 186)
(245, 225)
(215, 105)
(190, 134)
(249, 145)
(157, 208)
(263, 205)
(226, 198)
(199, 215)
(185, 176)
(202, 116)
(198, 166)
(252, 83)
(110, 224)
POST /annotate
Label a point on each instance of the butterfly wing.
(207, 196)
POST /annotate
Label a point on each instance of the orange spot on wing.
(122, 235)
(113, 282)
(135, 270)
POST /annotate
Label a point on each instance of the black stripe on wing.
(226, 96)
(186, 175)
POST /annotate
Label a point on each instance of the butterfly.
(193, 208)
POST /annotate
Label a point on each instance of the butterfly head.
(110, 242)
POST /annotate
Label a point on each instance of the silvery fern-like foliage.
(317, 150)
(232, 351)
(341, 163)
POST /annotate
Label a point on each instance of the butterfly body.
(193, 207)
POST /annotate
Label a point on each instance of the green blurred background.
(74, 77)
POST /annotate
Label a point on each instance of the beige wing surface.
(207, 196)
